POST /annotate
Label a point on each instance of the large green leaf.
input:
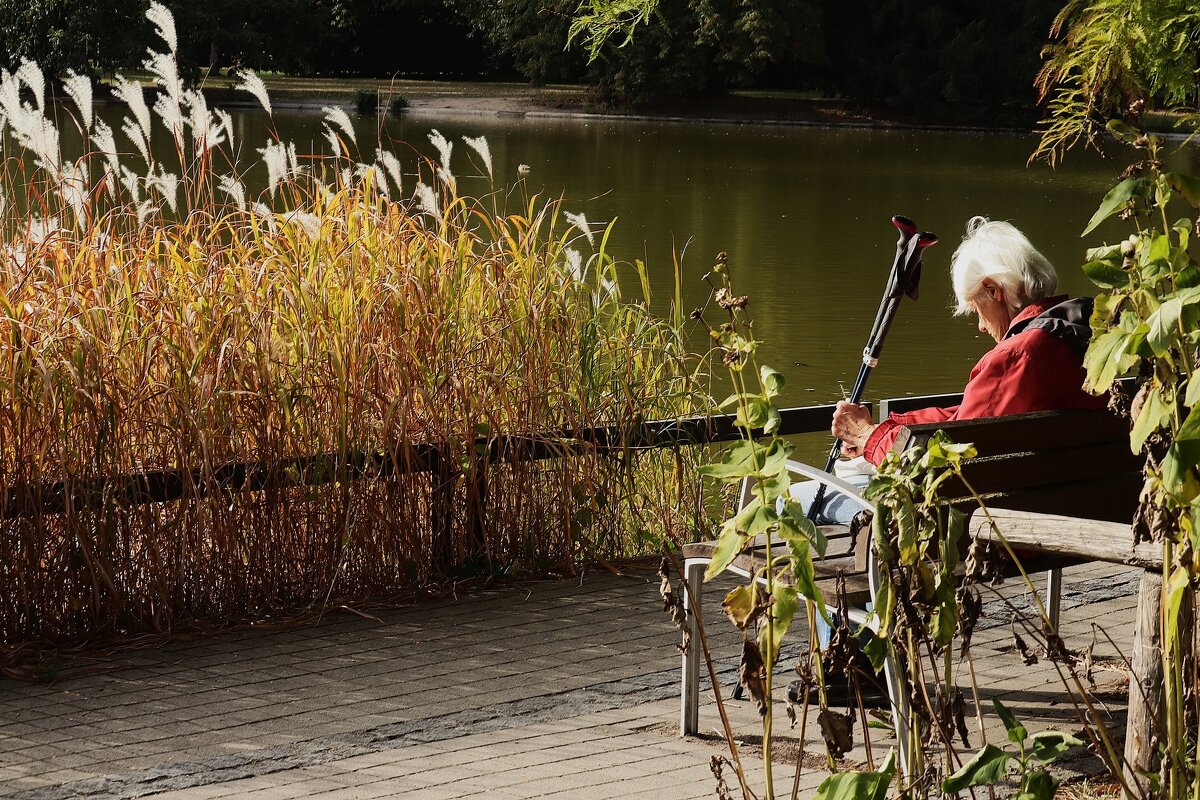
(804, 574)
(783, 611)
(1016, 731)
(1039, 785)
(1154, 413)
(1164, 326)
(729, 544)
(858, 785)
(749, 458)
(945, 611)
(1187, 186)
(906, 525)
(1190, 429)
(1115, 200)
(1106, 358)
(772, 380)
(1049, 746)
(793, 523)
(985, 768)
(1182, 457)
(1110, 276)
(1175, 590)
(754, 414)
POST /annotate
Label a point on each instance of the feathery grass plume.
(43, 142)
(39, 229)
(167, 186)
(275, 157)
(73, 188)
(132, 95)
(579, 221)
(340, 120)
(166, 74)
(250, 82)
(232, 187)
(226, 124)
(426, 200)
(32, 130)
(264, 212)
(392, 165)
(444, 148)
(145, 210)
(31, 75)
(164, 24)
(480, 145)
(132, 183)
(293, 161)
(335, 144)
(309, 223)
(133, 131)
(574, 264)
(79, 88)
(10, 94)
(104, 143)
(206, 130)
(169, 112)
(375, 175)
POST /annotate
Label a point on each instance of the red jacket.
(1037, 366)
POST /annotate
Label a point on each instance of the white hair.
(999, 251)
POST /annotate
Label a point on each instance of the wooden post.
(1145, 685)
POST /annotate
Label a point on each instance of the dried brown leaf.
(838, 731)
(752, 675)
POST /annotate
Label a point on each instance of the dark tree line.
(926, 58)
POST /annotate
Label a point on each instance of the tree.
(532, 35)
(63, 34)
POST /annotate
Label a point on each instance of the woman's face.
(991, 306)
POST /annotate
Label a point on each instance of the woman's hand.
(852, 424)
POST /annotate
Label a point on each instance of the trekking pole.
(903, 279)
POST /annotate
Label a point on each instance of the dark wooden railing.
(160, 486)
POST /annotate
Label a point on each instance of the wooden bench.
(1072, 463)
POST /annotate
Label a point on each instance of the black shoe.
(839, 694)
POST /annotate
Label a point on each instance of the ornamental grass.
(219, 403)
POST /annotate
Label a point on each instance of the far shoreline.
(510, 100)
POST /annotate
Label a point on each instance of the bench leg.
(689, 690)
(1053, 597)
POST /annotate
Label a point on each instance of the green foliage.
(63, 34)
(990, 765)
(760, 459)
(397, 105)
(1111, 58)
(865, 785)
(926, 58)
(366, 101)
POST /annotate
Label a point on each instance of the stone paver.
(562, 689)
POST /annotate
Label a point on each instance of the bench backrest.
(1073, 463)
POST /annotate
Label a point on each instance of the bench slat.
(1042, 430)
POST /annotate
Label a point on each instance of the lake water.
(802, 212)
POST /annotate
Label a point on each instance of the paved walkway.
(561, 689)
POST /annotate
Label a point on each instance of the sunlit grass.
(169, 316)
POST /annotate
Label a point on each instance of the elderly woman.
(1036, 365)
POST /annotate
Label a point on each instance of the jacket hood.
(1069, 321)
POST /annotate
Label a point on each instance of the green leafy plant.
(991, 765)
(766, 607)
